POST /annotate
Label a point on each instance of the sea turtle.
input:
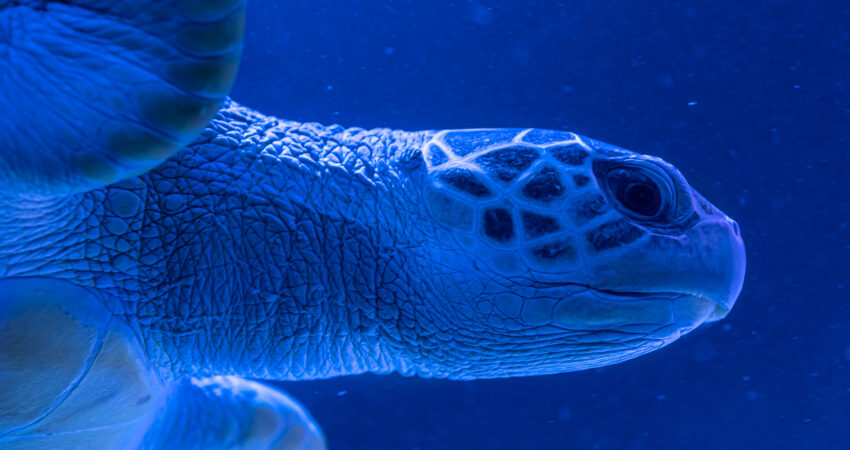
(161, 245)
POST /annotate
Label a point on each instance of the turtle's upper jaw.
(733, 266)
(711, 271)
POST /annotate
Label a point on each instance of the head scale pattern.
(523, 198)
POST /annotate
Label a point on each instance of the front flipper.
(231, 412)
(93, 91)
(71, 374)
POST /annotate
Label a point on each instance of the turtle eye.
(639, 192)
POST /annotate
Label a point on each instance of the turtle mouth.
(689, 309)
(720, 310)
(667, 313)
(636, 294)
(621, 295)
(723, 306)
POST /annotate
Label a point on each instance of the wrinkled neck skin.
(267, 248)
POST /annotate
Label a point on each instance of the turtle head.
(561, 253)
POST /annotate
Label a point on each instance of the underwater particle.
(752, 395)
(703, 350)
(564, 414)
(638, 443)
(726, 327)
(341, 393)
(693, 103)
(666, 80)
(745, 378)
(389, 51)
(481, 14)
(662, 397)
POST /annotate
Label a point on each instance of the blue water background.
(749, 99)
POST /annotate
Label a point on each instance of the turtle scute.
(544, 186)
(506, 164)
(498, 225)
(465, 181)
(536, 225)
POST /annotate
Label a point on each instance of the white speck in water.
(482, 15)
(727, 327)
(389, 51)
(662, 397)
(693, 103)
(703, 350)
(752, 395)
(746, 378)
(330, 87)
(341, 393)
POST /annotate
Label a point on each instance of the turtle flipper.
(71, 374)
(231, 412)
(93, 92)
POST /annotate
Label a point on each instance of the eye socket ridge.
(641, 190)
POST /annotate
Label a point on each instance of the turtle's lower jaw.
(661, 315)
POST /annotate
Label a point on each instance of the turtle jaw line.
(617, 295)
(612, 295)
(624, 294)
(673, 298)
(720, 310)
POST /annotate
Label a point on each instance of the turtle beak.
(705, 264)
(730, 268)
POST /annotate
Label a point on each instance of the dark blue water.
(749, 99)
